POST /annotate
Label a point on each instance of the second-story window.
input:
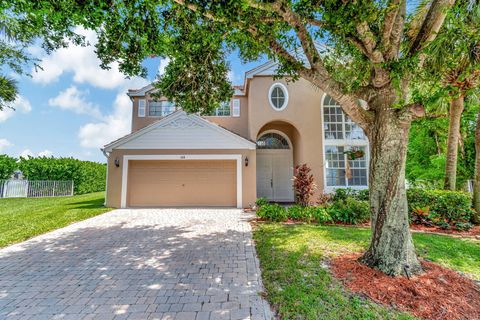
(223, 110)
(346, 148)
(160, 108)
(337, 125)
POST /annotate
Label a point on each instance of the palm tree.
(476, 180)
(461, 71)
(8, 91)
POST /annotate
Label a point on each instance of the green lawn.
(23, 218)
(300, 288)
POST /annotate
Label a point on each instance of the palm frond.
(417, 17)
(8, 91)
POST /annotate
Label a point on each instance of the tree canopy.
(368, 44)
(369, 50)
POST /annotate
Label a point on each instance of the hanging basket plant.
(354, 153)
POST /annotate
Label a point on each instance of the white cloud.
(21, 104)
(74, 100)
(114, 125)
(233, 77)
(82, 62)
(27, 153)
(4, 143)
(45, 153)
(163, 64)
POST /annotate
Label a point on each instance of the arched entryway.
(274, 166)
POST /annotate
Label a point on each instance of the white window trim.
(234, 104)
(150, 116)
(342, 143)
(290, 144)
(142, 108)
(223, 116)
(285, 91)
(181, 157)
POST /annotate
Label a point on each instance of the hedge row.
(350, 211)
(87, 176)
(7, 166)
(449, 205)
(441, 207)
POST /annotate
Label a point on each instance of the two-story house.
(245, 150)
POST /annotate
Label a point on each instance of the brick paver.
(137, 264)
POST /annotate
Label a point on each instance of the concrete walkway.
(137, 264)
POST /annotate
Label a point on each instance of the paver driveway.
(142, 264)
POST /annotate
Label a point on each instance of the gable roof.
(180, 130)
(140, 92)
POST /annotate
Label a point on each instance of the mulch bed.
(474, 232)
(438, 293)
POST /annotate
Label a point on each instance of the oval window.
(278, 96)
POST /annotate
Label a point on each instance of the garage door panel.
(182, 183)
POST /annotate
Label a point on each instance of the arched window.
(272, 141)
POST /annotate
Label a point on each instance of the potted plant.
(354, 153)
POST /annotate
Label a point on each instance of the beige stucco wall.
(301, 120)
(140, 122)
(114, 183)
(238, 125)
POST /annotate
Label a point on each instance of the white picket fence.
(35, 188)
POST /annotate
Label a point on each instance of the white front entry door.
(274, 175)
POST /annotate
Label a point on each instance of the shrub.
(296, 212)
(344, 193)
(463, 226)
(363, 195)
(303, 184)
(421, 216)
(320, 214)
(350, 211)
(324, 199)
(451, 206)
(309, 214)
(7, 166)
(444, 225)
(261, 202)
(87, 176)
(272, 212)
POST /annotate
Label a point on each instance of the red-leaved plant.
(303, 184)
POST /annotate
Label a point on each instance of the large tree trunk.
(391, 249)
(455, 116)
(476, 181)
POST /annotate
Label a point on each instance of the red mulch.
(474, 232)
(438, 293)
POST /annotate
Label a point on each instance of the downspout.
(107, 155)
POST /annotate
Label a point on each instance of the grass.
(23, 218)
(300, 288)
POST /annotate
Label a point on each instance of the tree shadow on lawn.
(323, 239)
(88, 204)
(461, 254)
(126, 267)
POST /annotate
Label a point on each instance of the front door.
(274, 174)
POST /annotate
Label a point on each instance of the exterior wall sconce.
(117, 162)
(246, 161)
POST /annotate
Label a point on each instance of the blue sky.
(73, 107)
